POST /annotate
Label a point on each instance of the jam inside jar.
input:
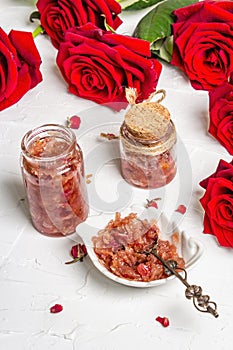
(148, 146)
(147, 164)
(53, 173)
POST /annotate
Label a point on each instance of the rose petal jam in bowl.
(53, 173)
(120, 248)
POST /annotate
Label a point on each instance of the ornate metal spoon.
(201, 302)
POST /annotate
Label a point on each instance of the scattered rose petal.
(152, 203)
(181, 209)
(56, 308)
(109, 136)
(73, 122)
(88, 178)
(78, 252)
(163, 320)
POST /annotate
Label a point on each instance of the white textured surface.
(98, 313)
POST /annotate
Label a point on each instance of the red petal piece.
(73, 122)
(109, 136)
(163, 320)
(181, 209)
(152, 203)
(56, 308)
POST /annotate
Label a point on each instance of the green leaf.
(157, 23)
(163, 48)
(137, 4)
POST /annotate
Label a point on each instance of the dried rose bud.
(163, 320)
(78, 252)
(152, 203)
(181, 209)
(83, 249)
(74, 251)
(73, 122)
(56, 308)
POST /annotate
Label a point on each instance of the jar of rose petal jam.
(53, 173)
(148, 145)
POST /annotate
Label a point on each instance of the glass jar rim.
(148, 142)
(46, 128)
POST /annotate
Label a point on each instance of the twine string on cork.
(132, 95)
(161, 91)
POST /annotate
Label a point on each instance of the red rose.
(221, 115)
(98, 65)
(19, 66)
(203, 42)
(218, 204)
(57, 16)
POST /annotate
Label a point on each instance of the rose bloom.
(218, 204)
(203, 42)
(19, 66)
(221, 115)
(98, 65)
(57, 16)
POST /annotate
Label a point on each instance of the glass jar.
(148, 146)
(53, 173)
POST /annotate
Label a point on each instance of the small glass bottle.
(148, 146)
(53, 173)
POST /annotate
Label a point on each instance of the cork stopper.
(147, 120)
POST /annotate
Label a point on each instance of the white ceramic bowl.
(189, 248)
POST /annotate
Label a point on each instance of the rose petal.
(163, 320)
(56, 308)
(73, 122)
(181, 209)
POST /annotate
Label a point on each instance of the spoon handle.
(201, 302)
